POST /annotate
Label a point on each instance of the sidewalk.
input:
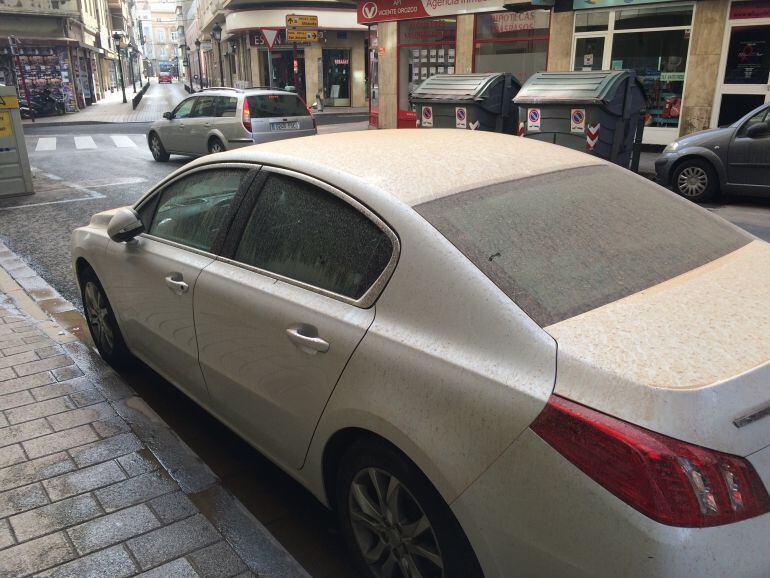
(92, 481)
(157, 100)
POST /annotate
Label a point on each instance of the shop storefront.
(653, 40)
(744, 70)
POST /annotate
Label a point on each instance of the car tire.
(216, 146)
(695, 179)
(380, 532)
(157, 149)
(101, 321)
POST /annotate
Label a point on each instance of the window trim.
(158, 190)
(371, 295)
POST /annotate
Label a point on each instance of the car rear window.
(273, 105)
(567, 242)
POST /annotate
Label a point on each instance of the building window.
(425, 47)
(374, 76)
(652, 40)
(515, 42)
(336, 65)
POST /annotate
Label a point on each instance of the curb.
(59, 319)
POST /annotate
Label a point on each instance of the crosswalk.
(86, 142)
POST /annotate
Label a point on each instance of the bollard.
(15, 173)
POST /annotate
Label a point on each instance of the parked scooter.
(44, 103)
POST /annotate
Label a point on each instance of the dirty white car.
(522, 362)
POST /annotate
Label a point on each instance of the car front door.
(172, 134)
(154, 280)
(749, 156)
(278, 320)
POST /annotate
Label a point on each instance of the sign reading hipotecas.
(533, 119)
(461, 117)
(577, 120)
(427, 116)
(383, 10)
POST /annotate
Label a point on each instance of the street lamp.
(216, 33)
(186, 63)
(131, 54)
(200, 64)
(116, 37)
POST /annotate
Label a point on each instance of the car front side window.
(304, 233)
(761, 116)
(184, 108)
(192, 209)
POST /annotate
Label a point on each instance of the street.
(83, 169)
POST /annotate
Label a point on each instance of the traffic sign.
(303, 20)
(295, 35)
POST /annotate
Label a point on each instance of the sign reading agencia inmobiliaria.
(370, 11)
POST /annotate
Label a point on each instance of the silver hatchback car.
(219, 119)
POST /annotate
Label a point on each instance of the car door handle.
(306, 338)
(175, 283)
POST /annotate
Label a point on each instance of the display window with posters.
(651, 39)
(46, 71)
(744, 71)
(373, 78)
(425, 47)
(336, 66)
(515, 42)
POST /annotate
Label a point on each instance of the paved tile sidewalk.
(92, 481)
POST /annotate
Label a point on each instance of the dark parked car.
(732, 159)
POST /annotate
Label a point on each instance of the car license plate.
(284, 125)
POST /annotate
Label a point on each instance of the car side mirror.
(168, 115)
(758, 130)
(124, 225)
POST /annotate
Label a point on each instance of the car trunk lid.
(689, 357)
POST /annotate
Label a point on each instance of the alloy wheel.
(155, 145)
(391, 529)
(216, 147)
(98, 316)
(692, 181)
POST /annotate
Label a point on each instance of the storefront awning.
(327, 19)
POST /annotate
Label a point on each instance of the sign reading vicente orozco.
(383, 10)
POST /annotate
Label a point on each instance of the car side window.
(204, 107)
(184, 108)
(226, 106)
(305, 233)
(762, 116)
(192, 210)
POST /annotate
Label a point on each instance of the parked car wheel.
(215, 146)
(696, 180)
(394, 520)
(158, 150)
(101, 321)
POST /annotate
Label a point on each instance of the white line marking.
(91, 194)
(122, 141)
(84, 142)
(45, 144)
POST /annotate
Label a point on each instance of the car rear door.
(276, 116)
(278, 318)
(196, 141)
(749, 158)
(154, 276)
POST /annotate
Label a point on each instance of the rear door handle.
(306, 338)
(175, 283)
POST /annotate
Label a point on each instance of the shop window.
(589, 53)
(657, 17)
(336, 65)
(659, 58)
(374, 77)
(748, 56)
(426, 47)
(591, 21)
(514, 42)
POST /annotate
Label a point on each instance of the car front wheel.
(695, 179)
(157, 149)
(395, 522)
(101, 321)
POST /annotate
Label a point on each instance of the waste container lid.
(456, 87)
(595, 87)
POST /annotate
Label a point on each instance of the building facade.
(703, 63)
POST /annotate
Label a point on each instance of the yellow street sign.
(293, 35)
(6, 128)
(9, 102)
(301, 20)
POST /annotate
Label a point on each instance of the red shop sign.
(755, 9)
(370, 11)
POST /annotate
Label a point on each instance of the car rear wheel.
(157, 149)
(101, 321)
(395, 522)
(216, 146)
(696, 180)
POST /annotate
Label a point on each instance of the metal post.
(200, 65)
(131, 68)
(270, 67)
(295, 66)
(116, 38)
(221, 69)
(24, 83)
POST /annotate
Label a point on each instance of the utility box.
(467, 101)
(599, 112)
(15, 174)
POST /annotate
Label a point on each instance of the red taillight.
(670, 481)
(246, 115)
